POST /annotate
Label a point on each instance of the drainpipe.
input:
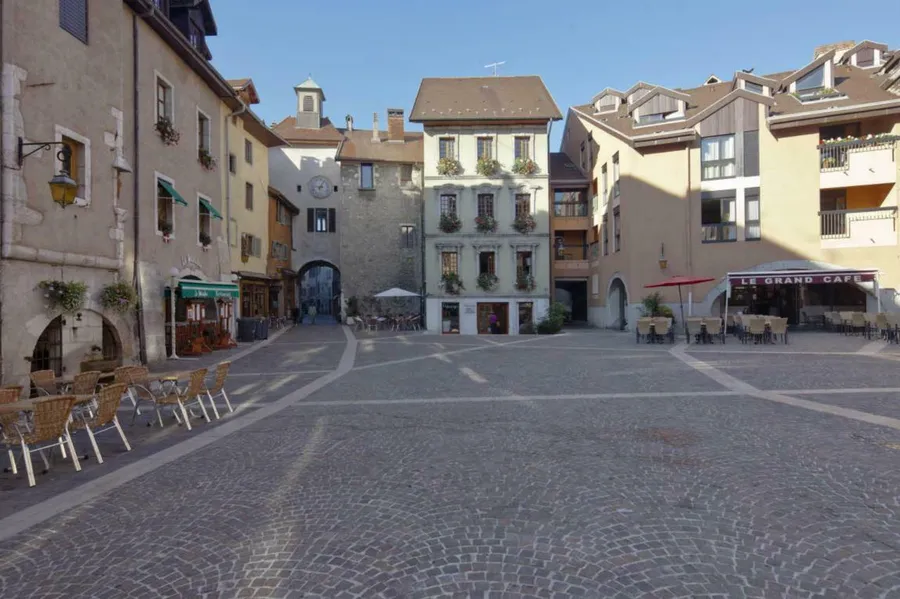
(4, 235)
(422, 302)
(687, 230)
(234, 114)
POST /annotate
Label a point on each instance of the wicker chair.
(778, 327)
(9, 436)
(49, 425)
(16, 388)
(123, 374)
(714, 329)
(170, 395)
(218, 388)
(44, 381)
(694, 329)
(104, 418)
(86, 383)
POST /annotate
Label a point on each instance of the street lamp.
(173, 273)
(62, 187)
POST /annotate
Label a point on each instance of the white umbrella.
(396, 292)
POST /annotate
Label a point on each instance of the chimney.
(839, 47)
(349, 120)
(376, 138)
(395, 124)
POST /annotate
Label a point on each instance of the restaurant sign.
(795, 279)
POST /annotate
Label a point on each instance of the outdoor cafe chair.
(122, 375)
(643, 329)
(49, 428)
(858, 323)
(714, 329)
(218, 388)
(171, 395)
(756, 329)
(86, 383)
(8, 421)
(694, 329)
(44, 382)
(104, 418)
(662, 329)
(778, 326)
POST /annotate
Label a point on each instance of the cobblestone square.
(411, 465)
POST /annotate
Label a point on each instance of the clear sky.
(370, 55)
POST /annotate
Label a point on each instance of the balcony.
(868, 161)
(571, 261)
(858, 228)
(571, 216)
(719, 232)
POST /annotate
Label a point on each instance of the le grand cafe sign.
(817, 278)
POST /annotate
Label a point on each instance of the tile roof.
(483, 98)
(327, 134)
(563, 170)
(358, 146)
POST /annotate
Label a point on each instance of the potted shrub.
(449, 167)
(487, 167)
(119, 297)
(451, 283)
(553, 321)
(524, 166)
(651, 305)
(205, 240)
(65, 296)
(524, 281)
(524, 224)
(166, 230)
(167, 131)
(487, 281)
(206, 159)
(450, 223)
(485, 224)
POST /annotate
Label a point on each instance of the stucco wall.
(256, 221)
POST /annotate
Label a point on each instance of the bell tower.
(310, 98)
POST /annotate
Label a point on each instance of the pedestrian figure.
(312, 313)
(492, 324)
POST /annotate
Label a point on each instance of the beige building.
(142, 139)
(486, 197)
(755, 175)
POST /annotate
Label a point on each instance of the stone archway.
(617, 303)
(319, 283)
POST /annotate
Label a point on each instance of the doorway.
(48, 350)
(320, 285)
(575, 294)
(484, 318)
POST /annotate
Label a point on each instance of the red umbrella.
(678, 281)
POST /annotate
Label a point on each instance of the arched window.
(308, 104)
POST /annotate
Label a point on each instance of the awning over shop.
(212, 210)
(167, 187)
(202, 289)
(246, 274)
(808, 277)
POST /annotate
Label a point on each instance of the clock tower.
(310, 98)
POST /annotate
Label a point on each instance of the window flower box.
(451, 283)
(524, 281)
(449, 167)
(487, 167)
(207, 160)
(166, 231)
(119, 297)
(205, 241)
(450, 223)
(525, 224)
(524, 166)
(485, 224)
(487, 281)
(167, 132)
(65, 296)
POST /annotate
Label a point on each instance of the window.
(165, 205)
(77, 166)
(309, 104)
(449, 263)
(232, 163)
(751, 153)
(248, 196)
(526, 314)
(604, 182)
(751, 219)
(486, 204)
(485, 147)
(812, 81)
(523, 262)
(321, 220)
(717, 157)
(617, 231)
(523, 205)
(251, 245)
(615, 163)
(756, 88)
(204, 142)
(487, 263)
(233, 226)
(522, 147)
(450, 317)
(447, 147)
(604, 228)
(569, 203)
(279, 251)
(407, 236)
(366, 176)
(717, 216)
(164, 107)
(448, 204)
(204, 229)
(406, 171)
(248, 151)
(282, 214)
(865, 58)
(73, 17)
(646, 119)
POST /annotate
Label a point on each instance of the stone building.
(381, 211)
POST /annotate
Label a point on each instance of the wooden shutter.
(310, 220)
(245, 245)
(73, 18)
(332, 218)
(257, 246)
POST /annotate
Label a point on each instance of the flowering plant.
(524, 281)
(524, 166)
(449, 167)
(487, 281)
(524, 224)
(206, 159)
(119, 297)
(450, 223)
(204, 239)
(167, 131)
(485, 224)
(66, 296)
(451, 283)
(487, 167)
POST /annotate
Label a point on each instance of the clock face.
(320, 187)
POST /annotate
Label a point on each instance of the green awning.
(212, 211)
(167, 187)
(191, 289)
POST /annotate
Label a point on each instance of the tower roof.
(311, 85)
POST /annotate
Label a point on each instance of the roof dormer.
(637, 91)
(659, 105)
(712, 79)
(813, 82)
(865, 55)
(608, 100)
(754, 83)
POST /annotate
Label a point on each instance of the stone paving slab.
(807, 372)
(883, 404)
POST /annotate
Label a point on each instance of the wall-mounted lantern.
(663, 263)
(62, 187)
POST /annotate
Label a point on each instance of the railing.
(833, 156)
(565, 209)
(719, 232)
(836, 224)
(571, 252)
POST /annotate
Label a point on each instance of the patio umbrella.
(396, 292)
(678, 281)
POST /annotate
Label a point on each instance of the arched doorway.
(48, 351)
(617, 304)
(320, 284)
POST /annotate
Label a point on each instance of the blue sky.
(370, 55)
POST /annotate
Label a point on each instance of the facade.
(309, 176)
(381, 213)
(760, 174)
(282, 292)
(573, 236)
(246, 184)
(487, 201)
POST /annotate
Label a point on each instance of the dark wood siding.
(310, 220)
(659, 104)
(332, 220)
(607, 102)
(751, 153)
(865, 57)
(739, 115)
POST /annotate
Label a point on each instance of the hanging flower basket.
(167, 132)
(119, 297)
(485, 224)
(450, 223)
(451, 283)
(524, 281)
(166, 231)
(449, 167)
(524, 224)
(524, 166)
(207, 160)
(205, 241)
(65, 296)
(487, 281)
(487, 167)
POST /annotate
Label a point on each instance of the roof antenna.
(494, 66)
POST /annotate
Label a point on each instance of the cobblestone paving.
(582, 466)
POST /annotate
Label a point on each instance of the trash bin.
(246, 329)
(262, 328)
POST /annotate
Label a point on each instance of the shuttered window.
(73, 18)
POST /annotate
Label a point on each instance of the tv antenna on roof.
(494, 66)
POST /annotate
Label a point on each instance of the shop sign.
(805, 279)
